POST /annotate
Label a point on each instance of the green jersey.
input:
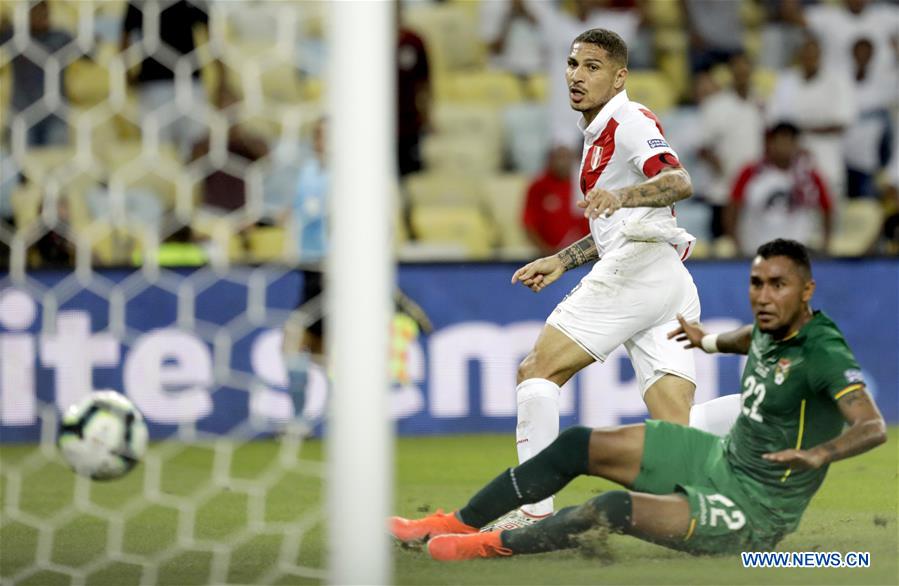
(789, 393)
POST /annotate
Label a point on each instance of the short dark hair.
(795, 251)
(784, 127)
(605, 39)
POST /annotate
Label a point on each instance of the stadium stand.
(485, 122)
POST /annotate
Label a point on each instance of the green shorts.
(679, 459)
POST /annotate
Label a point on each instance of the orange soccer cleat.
(451, 548)
(440, 523)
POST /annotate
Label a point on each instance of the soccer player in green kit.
(687, 489)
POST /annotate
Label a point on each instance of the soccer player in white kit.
(638, 287)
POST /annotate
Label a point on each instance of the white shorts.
(632, 297)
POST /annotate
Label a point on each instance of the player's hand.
(690, 333)
(798, 459)
(599, 202)
(538, 274)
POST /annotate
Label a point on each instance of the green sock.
(541, 476)
(561, 531)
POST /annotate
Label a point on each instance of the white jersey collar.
(599, 123)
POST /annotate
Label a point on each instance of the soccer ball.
(103, 436)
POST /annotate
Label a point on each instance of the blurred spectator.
(781, 195)
(557, 28)
(413, 96)
(716, 31)
(863, 145)
(733, 129)
(280, 176)
(156, 81)
(840, 25)
(822, 104)
(53, 249)
(139, 205)
(303, 339)
(782, 32)
(9, 180)
(223, 191)
(512, 36)
(28, 75)
(550, 218)
(310, 203)
(683, 128)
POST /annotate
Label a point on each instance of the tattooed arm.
(579, 253)
(669, 186)
(662, 190)
(544, 271)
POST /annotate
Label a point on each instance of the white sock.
(538, 426)
(716, 416)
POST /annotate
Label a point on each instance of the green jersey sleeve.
(834, 370)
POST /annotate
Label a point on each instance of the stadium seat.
(256, 22)
(665, 14)
(450, 32)
(652, 89)
(465, 124)
(538, 87)
(527, 136)
(493, 88)
(724, 247)
(281, 83)
(26, 204)
(442, 189)
(448, 224)
(311, 19)
(313, 89)
(859, 227)
(267, 243)
(672, 45)
(64, 14)
(467, 120)
(505, 195)
(461, 154)
(5, 88)
(277, 78)
(86, 83)
(752, 14)
(752, 44)
(764, 80)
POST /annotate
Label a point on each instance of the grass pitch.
(856, 510)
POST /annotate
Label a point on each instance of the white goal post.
(361, 122)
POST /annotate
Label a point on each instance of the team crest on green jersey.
(781, 371)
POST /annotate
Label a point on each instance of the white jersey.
(621, 148)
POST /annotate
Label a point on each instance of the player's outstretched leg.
(614, 454)
(554, 359)
(565, 459)
(659, 519)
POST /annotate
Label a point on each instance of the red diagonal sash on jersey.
(598, 156)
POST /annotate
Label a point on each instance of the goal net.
(149, 239)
